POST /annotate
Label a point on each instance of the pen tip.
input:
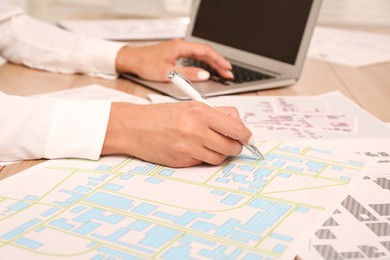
(255, 151)
(259, 155)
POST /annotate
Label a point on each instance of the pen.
(194, 93)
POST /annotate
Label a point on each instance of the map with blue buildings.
(123, 208)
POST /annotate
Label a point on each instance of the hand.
(154, 62)
(175, 134)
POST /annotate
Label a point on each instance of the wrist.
(126, 60)
(117, 134)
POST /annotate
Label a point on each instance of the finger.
(181, 155)
(210, 157)
(198, 151)
(231, 111)
(207, 54)
(222, 144)
(178, 162)
(193, 73)
(229, 126)
(171, 160)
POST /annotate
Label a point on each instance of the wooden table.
(367, 86)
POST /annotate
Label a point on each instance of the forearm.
(47, 128)
(35, 44)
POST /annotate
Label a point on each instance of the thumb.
(193, 73)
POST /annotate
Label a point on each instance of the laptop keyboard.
(241, 75)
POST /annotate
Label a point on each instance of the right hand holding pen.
(175, 134)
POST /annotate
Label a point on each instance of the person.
(173, 134)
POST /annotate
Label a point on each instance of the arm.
(24, 40)
(36, 128)
(177, 134)
(86, 129)
(46, 128)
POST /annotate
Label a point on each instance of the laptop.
(267, 40)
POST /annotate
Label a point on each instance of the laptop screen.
(270, 28)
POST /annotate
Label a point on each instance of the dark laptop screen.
(270, 28)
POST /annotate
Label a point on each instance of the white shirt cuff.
(78, 129)
(99, 57)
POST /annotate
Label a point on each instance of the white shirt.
(45, 128)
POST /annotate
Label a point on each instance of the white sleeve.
(24, 40)
(48, 128)
(35, 128)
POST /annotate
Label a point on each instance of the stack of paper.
(349, 47)
(130, 29)
(359, 228)
(329, 181)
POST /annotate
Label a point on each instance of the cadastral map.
(123, 208)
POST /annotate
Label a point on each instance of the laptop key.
(241, 75)
(219, 79)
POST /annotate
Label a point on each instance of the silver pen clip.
(173, 74)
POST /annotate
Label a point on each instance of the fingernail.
(251, 140)
(229, 65)
(203, 75)
(230, 74)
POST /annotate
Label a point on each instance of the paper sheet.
(348, 47)
(96, 92)
(330, 115)
(378, 149)
(119, 207)
(130, 29)
(123, 207)
(360, 226)
(7, 163)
